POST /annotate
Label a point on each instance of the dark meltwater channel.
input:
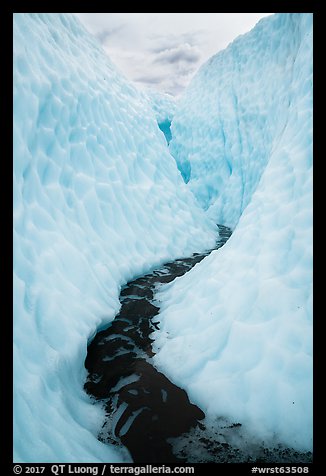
(144, 408)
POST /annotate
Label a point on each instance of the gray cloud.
(186, 71)
(150, 80)
(163, 50)
(178, 55)
(105, 33)
(168, 42)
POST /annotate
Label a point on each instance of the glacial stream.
(144, 408)
(145, 412)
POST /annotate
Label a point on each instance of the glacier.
(228, 121)
(110, 182)
(98, 200)
(164, 106)
(236, 331)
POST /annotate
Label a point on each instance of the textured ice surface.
(230, 119)
(98, 200)
(236, 330)
(164, 106)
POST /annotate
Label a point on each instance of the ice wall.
(97, 201)
(164, 106)
(231, 117)
(237, 329)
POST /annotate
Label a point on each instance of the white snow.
(236, 331)
(98, 200)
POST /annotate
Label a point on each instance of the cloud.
(169, 70)
(181, 53)
(168, 42)
(163, 50)
(103, 34)
(150, 80)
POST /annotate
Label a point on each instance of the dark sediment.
(146, 412)
(154, 409)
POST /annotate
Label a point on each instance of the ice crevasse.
(98, 200)
(236, 331)
(164, 106)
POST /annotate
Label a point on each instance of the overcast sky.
(164, 50)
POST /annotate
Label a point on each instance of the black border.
(7, 215)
